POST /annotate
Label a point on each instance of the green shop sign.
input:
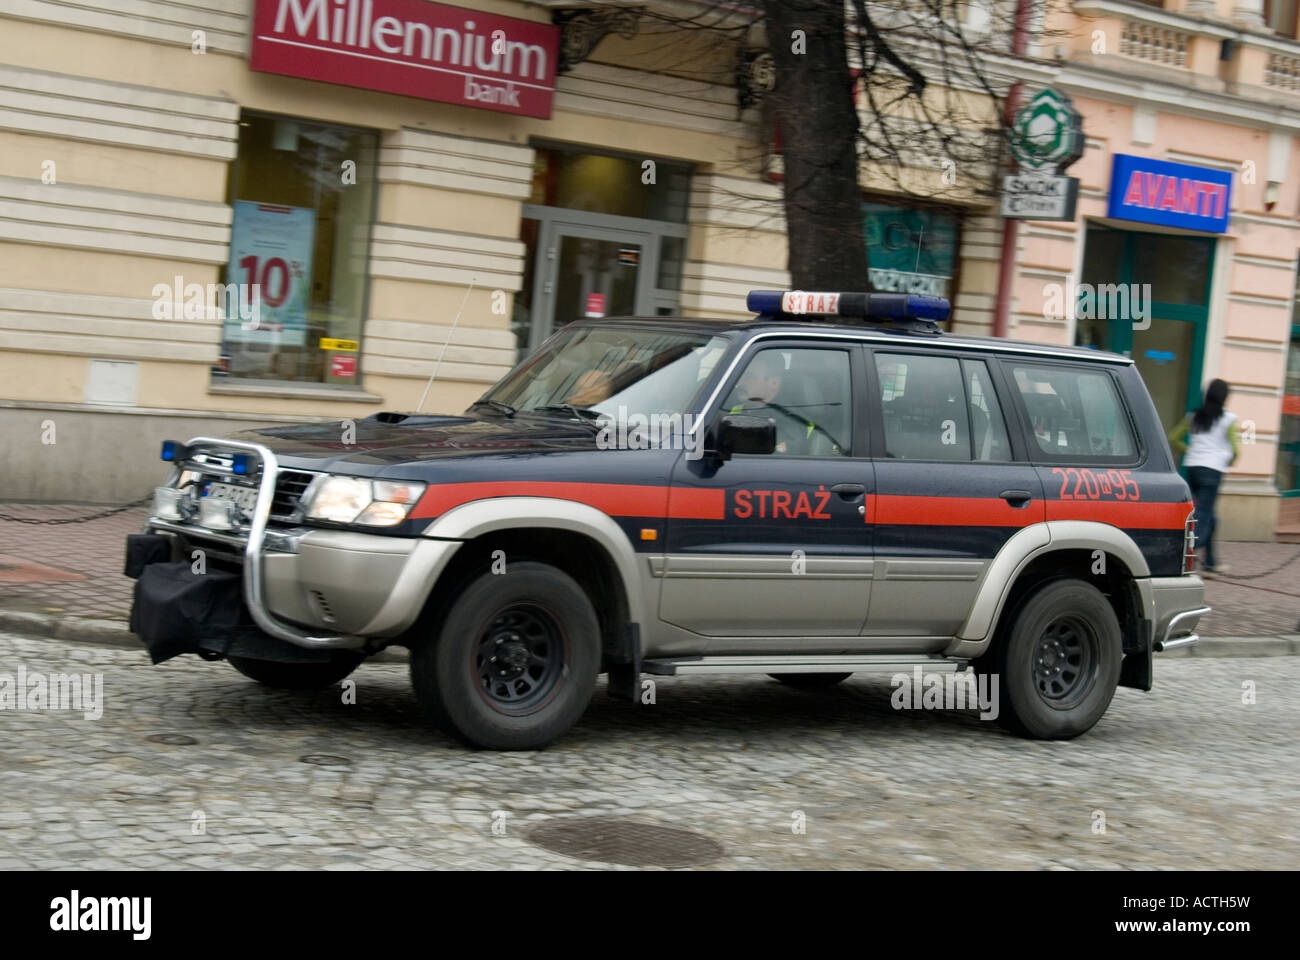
(909, 250)
(1046, 137)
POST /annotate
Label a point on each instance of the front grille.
(289, 488)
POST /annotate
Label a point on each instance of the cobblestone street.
(1185, 777)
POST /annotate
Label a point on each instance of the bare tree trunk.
(818, 121)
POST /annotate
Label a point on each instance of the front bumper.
(316, 588)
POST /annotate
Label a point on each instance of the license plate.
(246, 497)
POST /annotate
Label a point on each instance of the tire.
(298, 676)
(1059, 662)
(514, 663)
(810, 681)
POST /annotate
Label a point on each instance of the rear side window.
(924, 407)
(1074, 413)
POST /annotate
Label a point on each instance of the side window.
(924, 407)
(805, 393)
(988, 430)
(1074, 413)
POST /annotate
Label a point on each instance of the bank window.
(303, 200)
(1075, 413)
(626, 186)
(924, 407)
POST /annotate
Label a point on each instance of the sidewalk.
(75, 570)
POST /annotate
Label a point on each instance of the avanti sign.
(411, 47)
(1170, 194)
(1046, 137)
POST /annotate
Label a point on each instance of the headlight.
(377, 503)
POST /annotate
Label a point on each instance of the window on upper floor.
(1280, 16)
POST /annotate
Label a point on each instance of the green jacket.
(1180, 431)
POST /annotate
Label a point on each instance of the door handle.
(849, 491)
(1017, 498)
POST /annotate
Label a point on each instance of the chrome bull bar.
(254, 592)
(1186, 640)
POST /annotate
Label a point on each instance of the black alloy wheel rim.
(1065, 661)
(519, 658)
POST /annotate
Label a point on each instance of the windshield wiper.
(505, 408)
(577, 413)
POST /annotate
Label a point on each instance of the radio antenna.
(920, 238)
(450, 333)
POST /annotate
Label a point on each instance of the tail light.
(1189, 543)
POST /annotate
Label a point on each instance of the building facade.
(409, 188)
(1189, 204)
(419, 190)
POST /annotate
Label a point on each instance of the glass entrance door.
(1147, 297)
(588, 265)
(595, 277)
(1166, 355)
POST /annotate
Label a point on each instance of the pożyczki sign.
(1170, 194)
(411, 47)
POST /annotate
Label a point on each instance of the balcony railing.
(1144, 41)
(1282, 72)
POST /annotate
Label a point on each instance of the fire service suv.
(835, 487)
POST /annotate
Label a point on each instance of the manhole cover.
(175, 739)
(630, 842)
(325, 760)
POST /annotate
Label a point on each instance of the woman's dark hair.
(1212, 407)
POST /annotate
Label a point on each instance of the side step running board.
(809, 663)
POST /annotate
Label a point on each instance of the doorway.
(584, 265)
(1150, 301)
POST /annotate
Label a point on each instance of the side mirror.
(741, 434)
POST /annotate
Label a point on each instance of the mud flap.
(1136, 670)
(625, 671)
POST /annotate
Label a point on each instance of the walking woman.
(1211, 446)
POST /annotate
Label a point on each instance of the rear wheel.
(810, 681)
(299, 676)
(514, 663)
(1060, 661)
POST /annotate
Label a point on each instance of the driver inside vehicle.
(768, 390)
(592, 386)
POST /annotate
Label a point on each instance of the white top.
(1211, 448)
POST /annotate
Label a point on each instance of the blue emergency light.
(239, 463)
(922, 311)
(172, 451)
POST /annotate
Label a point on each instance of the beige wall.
(141, 132)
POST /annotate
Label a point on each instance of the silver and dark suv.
(798, 496)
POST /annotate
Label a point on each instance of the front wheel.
(1060, 661)
(514, 664)
(299, 676)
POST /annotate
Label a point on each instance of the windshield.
(600, 369)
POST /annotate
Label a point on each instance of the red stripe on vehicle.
(954, 511)
(614, 499)
(1133, 515)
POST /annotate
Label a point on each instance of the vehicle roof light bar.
(904, 309)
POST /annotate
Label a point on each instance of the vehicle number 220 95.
(1085, 484)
